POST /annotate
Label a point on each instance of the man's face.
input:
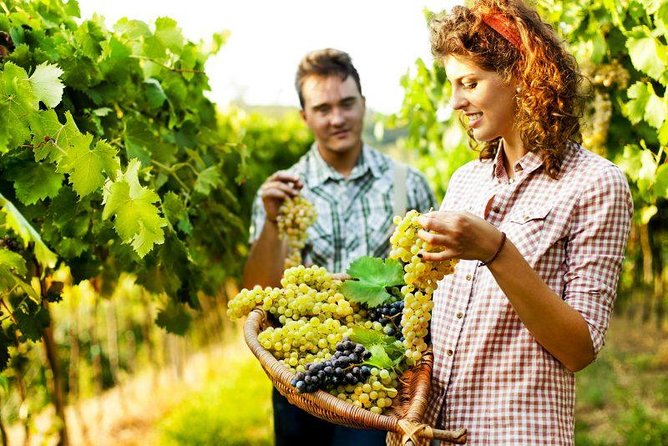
(334, 111)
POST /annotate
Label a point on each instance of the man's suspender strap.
(400, 200)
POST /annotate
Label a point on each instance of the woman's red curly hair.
(549, 98)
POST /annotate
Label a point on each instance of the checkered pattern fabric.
(355, 213)
(490, 376)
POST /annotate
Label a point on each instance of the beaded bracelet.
(498, 250)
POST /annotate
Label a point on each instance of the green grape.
(294, 218)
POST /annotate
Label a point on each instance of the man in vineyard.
(355, 190)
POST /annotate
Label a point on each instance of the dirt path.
(126, 415)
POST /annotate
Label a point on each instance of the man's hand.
(278, 187)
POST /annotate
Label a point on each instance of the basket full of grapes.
(353, 349)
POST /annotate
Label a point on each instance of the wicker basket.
(403, 419)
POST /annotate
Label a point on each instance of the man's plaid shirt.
(355, 213)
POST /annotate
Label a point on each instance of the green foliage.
(266, 142)
(371, 278)
(386, 351)
(234, 409)
(435, 137)
(112, 158)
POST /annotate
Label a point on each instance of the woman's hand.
(458, 235)
(278, 187)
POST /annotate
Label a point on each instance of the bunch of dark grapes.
(10, 243)
(389, 315)
(344, 367)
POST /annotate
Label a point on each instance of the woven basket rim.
(327, 406)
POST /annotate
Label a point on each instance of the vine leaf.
(207, 179)
(85, 167)
(393, 348)
(373, 277)
(11, 264)
(17, 222)
(17, 104)
(46, 84)
(379, 357)
(34, 182)
(137, 219)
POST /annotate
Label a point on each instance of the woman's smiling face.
(487, 101)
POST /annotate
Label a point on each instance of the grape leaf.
(169, 34)
(31, 318)
(11, 263)
(647, 53)
(379, 357)
(373, 277)
(368, 337)
(46, 84)
(176, 212)
(17, 222)
(645, 104)
(137, 219)
(34, 182)
(154, 93)
(139, 140)
(17, 104)
(207, 179)
(85, 167)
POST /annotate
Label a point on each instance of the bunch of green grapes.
(405, 247)
(247, 300)
(305, 292)
(421, 278)
(608, 74)
(301, 342)
(597, 123)
(415, 322)
(375, 394)
(311, 292)
(294, 217)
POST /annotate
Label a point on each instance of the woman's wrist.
(499, 248)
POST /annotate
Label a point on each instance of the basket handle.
(457, 436)
(411, 431)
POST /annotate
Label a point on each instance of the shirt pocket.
(526, 228)
(377, 225)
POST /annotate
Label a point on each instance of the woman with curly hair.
(540, 225)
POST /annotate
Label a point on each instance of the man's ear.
(302, 114)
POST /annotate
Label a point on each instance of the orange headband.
(500, 23)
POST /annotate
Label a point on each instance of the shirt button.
(450, 352)
(496, 209)
(460, 315)
(511, 180)
(469, 277)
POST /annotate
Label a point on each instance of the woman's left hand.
(458, 235)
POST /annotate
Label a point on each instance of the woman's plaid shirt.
(355, 213)
(490, 376)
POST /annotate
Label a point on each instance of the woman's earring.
(517, 90)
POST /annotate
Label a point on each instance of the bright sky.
(269, 37)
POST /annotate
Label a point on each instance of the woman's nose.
(457, 101)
